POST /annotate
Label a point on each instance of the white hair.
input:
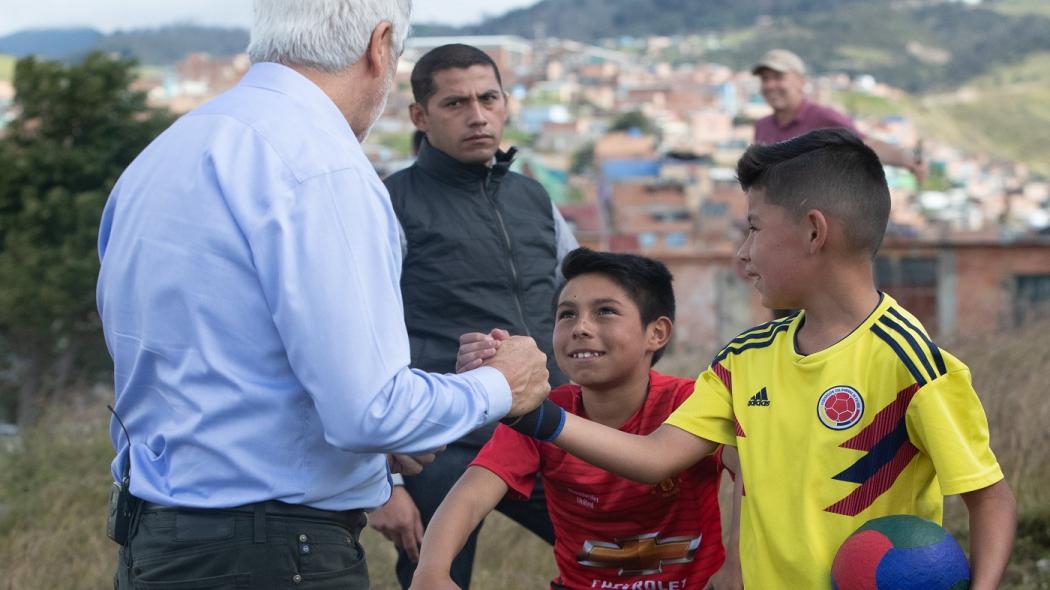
(328, 35)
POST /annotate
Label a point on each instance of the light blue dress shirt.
(250, 300)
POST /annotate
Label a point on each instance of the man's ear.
(658, 333)
(817, 228)
(418, 114)
(380, 47)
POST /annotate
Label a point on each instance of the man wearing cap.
(783, 77)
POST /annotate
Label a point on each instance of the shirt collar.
(284, 80)
(444, 166)
(802, 108)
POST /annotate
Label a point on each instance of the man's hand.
(525, 369)
(919, 168)
(432, 579)
(475, 348)
(398, 520)
(411, 464)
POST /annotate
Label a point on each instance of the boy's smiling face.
(599, 339)
(774, 253)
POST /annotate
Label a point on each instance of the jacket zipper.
(510, 256)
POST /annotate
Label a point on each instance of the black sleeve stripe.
(919, 352)
(915, 372)
(779, 328)
(761, 330)
(936, 352)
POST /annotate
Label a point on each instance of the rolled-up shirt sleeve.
(327, 256)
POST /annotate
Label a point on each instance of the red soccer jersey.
(612, 532)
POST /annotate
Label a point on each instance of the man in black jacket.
(481, 249)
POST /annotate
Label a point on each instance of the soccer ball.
(900, 553)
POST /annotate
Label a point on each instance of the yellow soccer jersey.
(883, 422)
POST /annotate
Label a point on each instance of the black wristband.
(544, 423)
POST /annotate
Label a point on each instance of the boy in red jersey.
(612, 322)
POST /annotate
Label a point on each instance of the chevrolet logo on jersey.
(639, 556)
(759, 399)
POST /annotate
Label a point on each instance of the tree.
(582, 159)
(635, 120)
(77, 128)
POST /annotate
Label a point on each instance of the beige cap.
(780, 60)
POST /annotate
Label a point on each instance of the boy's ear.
(658, 333)
(817, 226)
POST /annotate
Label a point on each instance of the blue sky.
(107, 15)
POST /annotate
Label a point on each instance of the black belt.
(353, 519)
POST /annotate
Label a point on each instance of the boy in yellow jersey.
(842, 412)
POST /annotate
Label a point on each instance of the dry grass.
(53, 491)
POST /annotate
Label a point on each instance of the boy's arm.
(465, 506)
(993, 524)
(667, 451)
(731, 576)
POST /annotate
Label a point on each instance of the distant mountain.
(433, 30)
(48, 43)
(589, 20)
(167, 45)
(918, 45)
(915, 44)
(918, 48)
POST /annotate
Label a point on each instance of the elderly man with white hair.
(249, 297)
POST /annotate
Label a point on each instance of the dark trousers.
(431, 486)
(245, 548)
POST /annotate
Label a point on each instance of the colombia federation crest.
(840, 407)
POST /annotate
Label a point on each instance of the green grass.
(7, 67)
(1004, 114)
(399, 143)
(1022, 7)
(866, 57)
(861, 104)
(53, 491)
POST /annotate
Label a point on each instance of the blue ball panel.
(934, 567)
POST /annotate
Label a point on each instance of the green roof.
(556, 182)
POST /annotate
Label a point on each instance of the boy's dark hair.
(831, 170)
(446, 57)
(646, 281)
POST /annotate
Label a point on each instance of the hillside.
(589, 20)
(159, 46)
(167, 45)
(918, 46)
(48, 43)
(995, 113)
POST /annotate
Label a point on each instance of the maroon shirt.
(810, 116)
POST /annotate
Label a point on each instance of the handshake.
(522, 364)
(517, 357)
(531, 413)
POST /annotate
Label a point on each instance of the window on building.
(712, 209)
(676, 240)
(1032, 297)
(912, 281)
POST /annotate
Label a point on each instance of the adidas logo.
(759, 399)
